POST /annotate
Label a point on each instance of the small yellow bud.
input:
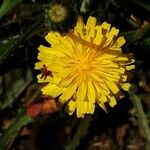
(57, 13)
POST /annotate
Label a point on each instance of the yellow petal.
(67, 48)
(67, 81)
(66, 73)
(55, 80)
(121, 58)
(101, 88)
(84, 107)
(113, 32)
(91, 22)
(97, 78)
(38, 65)
(91, 92)
(108, 64)
(71, 106)
(120, 70)
(52, 89)
(107, 56)
(102, 99)
(106, 26)
(109, 76)
(80, 110)
(81, 93)
(90, 27)
(120, 41)
(113, 87)
(112, 102)
(124, 78)
(78, 30)
(98, 38)
(131, 61)
(90, 108)
(110, 35)
(68, 93)
(102, 105)
(47, 50)
(126, 86)
(130, 67)
(53, 38)
(41, 80)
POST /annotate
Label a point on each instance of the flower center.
(85, 62)
(84, 65)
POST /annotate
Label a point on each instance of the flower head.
(57, 13)
(85, 67)
(60, 15)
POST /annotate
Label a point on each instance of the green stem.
(141, 116)
(81, 132)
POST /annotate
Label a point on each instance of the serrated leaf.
(146, 43)
(10, 134)
(132, 36)
(8, 5)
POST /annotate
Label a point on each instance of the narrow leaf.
(11, 133)
(8, 5)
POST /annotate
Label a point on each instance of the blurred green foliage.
(8, 5)
(20, 120)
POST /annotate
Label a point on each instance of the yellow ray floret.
(85, 67)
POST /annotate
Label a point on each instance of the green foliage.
(7, 48)
(8, 5)
(10, 134)
(146, 31)
(10, 45)
(137, 35)
(132, 36)
(85, 6)
(146, 43)
(143, 4)
(141, 114)
(14, 83)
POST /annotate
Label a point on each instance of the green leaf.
(11, 133)
(8, 5)
(7, 48)
(13, 84)
(146, 31)
(143, 4)
(146, 43)
(132, 36)
(143, 122)
(11, 45)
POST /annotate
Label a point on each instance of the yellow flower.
(85, 66)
